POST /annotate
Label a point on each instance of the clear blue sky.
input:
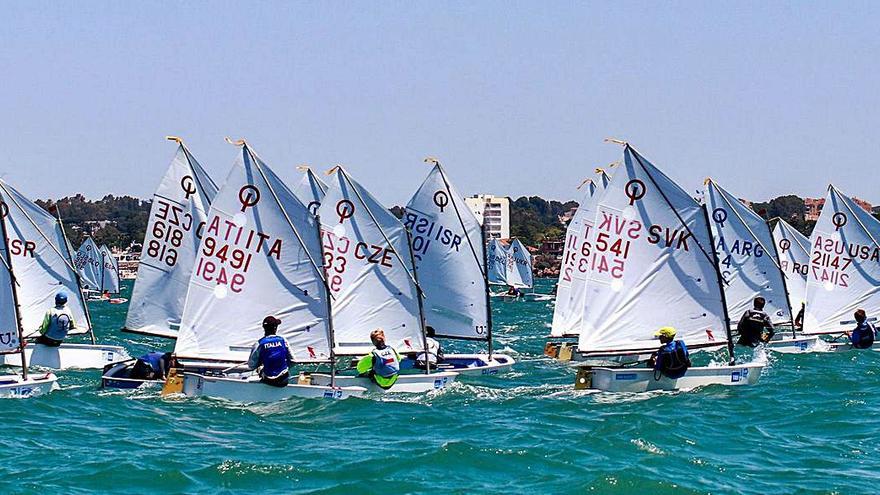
(514, 97)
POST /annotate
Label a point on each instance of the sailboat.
(43, 267)
(450, 260)
(509, 265)
(573, 274)
(844, 273)
(177, 220)
(371, 274)
(651, 265)
(750, 266)
(11, 333)
(259, 256)
(794, 259)
(88, 264)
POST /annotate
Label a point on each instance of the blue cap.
(61, 298)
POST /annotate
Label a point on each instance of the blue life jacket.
(59, 323)
(153, 358)
(386, 362)
(273, 356)
(673, 359)
(863, 336)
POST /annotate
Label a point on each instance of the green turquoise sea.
(810, 426)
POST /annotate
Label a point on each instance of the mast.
(486, 285)
(76, 274)
(419, 296)
(730, 351)
(7, 261)
(784, 282)
(329, 306)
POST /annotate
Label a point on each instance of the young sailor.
(152, 366)
(57, 323)
(752, 324)
(672, 358)
(514, 291)
(271, 355)
(799, 319)
(862, 337)
(434, 354)
(382, 365)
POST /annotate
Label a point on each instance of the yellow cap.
(665, 332)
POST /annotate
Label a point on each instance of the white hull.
(476, 364)
(846, 346)
(410, 383)
(65, 356)
(14, 386)
(248, 389)
(642, 379)
(792, 345)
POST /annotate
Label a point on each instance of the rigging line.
(458, 215)
(302, 243)
(189, 161)
(732, 207)
(396, 254)
(66, 262)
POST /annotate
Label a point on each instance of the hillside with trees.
(116, 221)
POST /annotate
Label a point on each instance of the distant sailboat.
(43, 267)
(794, 259)
(844, 273)
(447, 241)
(749, 265)
(109, 271)
(88, 264)
(170, 247)
(651, 266)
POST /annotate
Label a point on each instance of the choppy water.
(810, 426)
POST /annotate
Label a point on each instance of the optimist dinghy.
(259, 253)
(369, 262)
(450, 260)
(750, 266)
(43, 264)
(11, 334)
(651, 265)
(844, 270)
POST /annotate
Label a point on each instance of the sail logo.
(784, 245)
(720, 216)
(188, 186)
(635, 190)
(313, 207)
(838, 220)
(248, 196)
(344, 209)
(441, 199)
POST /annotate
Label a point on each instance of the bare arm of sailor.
(254, 359)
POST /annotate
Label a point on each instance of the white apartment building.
(494, 211)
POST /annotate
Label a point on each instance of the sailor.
(57, 323)
(382, 364)
(672, 358)
(271, 355)
(753, 323)
(152, 366)
(513, 291)
(799, 319)
(434, 354)
(862, 337)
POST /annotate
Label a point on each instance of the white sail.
(571, 287)
(171, 244)
(40, 261)
(651, 265)
(522, 264)
(109, 271)
(259, 256)
(497, 257)
(88, 261)
(794, 259)
(368, 262)
(448, 244)
(844, 272)
(745, 250)
(9, 342)
(310, 190)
